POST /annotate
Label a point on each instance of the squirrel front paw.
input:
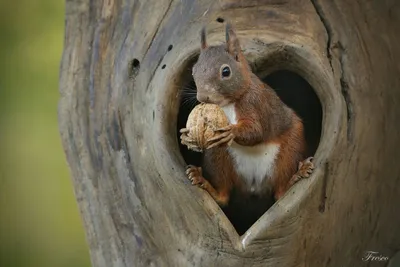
(188, 141)
(194, 174)
(225, 137)
(306, 167)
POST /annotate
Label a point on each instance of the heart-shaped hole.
(297, 93)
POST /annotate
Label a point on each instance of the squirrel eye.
(226, 72)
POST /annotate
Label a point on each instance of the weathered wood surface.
(118, 127)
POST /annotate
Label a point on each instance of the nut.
(203, 120)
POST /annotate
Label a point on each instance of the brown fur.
(261, 118)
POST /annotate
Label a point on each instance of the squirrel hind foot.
(194, 174)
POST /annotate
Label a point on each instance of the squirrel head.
(221, 73)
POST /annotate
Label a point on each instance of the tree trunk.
(123, 65)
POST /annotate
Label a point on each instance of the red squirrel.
(263, 148)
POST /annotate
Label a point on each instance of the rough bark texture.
(118, 126)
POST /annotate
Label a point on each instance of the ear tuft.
(203, 38)
(228, 28)
(232, 42)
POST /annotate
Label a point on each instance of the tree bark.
(119, 85)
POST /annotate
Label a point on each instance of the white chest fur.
(253, 163)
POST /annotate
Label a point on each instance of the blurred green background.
(39, 218)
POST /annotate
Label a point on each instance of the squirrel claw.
(189, 142)
(226, 137)
(224, 129)
(185, 140)
(194, 174)
(184, 130)
(225, 140)
(305, 168)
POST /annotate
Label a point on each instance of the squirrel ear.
(203, 38)
(232, 42)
